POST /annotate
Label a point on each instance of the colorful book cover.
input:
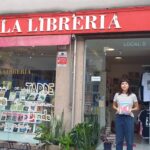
(2, 126)
(32, 97)
(25, 117)
(38, 118)
(31, 117)
(32, 108)
(3, 101)
(30, 127)
(3, 116)
(39, 108)
(22, 128)
(20, 106)
(41, 97)
(14, 116)
(2, 92)
(124, 108)
(20, 117)
(26, 108)
(23, 94)
(15, 128)
(7, 84)
(12, 96)
(9, 116)
(13, 107)
(8, 127)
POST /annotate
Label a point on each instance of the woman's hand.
(117, 110)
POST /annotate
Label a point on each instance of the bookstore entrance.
(109, 60)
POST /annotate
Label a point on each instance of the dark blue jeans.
(124, 130)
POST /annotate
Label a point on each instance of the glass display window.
(27, 90)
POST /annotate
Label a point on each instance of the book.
(9, 116)
(15, 127)
(22, 128)
(25, 117)
(30, 128)
(23, 94)
(32, 97)
(12, 96)
(124, 109)
(3, 101)
(31, 117)
(41, 97)
(14, 116)
(38, 118)
(39, 108)
(8, 127)
(3, 116)
(2, 125)
(20, 117)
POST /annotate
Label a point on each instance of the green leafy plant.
(93, 119)
(66, 141)
(51, 131)
(81, 136)
(85, 135)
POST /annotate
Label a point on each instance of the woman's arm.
(135, 106)
(115, 106)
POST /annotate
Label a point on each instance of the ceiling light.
(106, 49)
(110, 49)
(118, 57)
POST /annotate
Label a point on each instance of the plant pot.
(107, 146)
(52, 147)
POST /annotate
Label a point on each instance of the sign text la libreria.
(58, 24)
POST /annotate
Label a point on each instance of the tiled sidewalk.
(137, 146)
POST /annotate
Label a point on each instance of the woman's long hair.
(129, 89)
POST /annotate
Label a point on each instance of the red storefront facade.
(42, 36)
(84, 22)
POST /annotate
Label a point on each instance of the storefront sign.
(52, 25)
(96, 78)
(131, 43)
(62, 59)
(96, 21)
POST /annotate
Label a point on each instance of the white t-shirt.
(146, 86)
(125, 102)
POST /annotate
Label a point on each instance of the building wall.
(64, 87)
(63, 91)
(79, 90)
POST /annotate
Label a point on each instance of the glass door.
(95, 84)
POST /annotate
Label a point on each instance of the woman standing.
(125, 103)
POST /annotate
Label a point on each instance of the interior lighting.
(106, 49)
(118, 57)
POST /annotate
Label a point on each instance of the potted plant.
(82, 136)
(107, 137)
(66, 142)
(50, 132)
